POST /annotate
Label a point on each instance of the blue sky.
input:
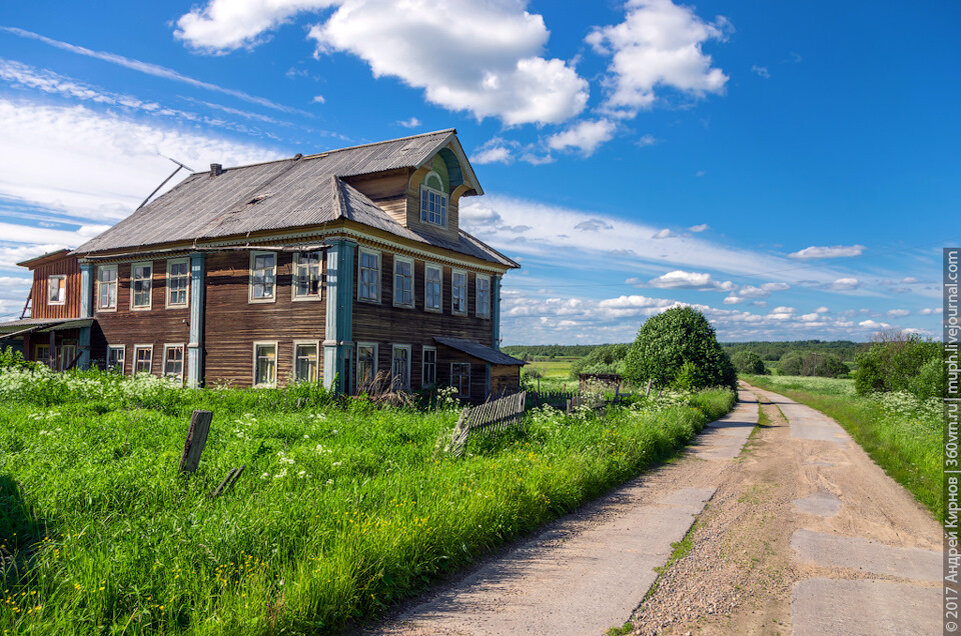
(790, 169)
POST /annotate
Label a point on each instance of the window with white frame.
(403, 281)
(428, 373)
(115, 358)
(265, 364)
(141, 279)
(107, 287)
(307, 276)
(458, 298)
(41, 353)
(460, 378)
(263, 277)
(56, 289)
(433, 287)
(368, 279)
(174, 361)
(482, 285)
(178, 282)
(366, 366)
(142, 358)
(400, 367)
(433, 200)
(67, 355)
(305, 361)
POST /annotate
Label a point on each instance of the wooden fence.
(490, 416)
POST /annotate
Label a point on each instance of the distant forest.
(769, 351)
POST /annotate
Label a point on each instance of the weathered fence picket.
(490, 416)
(196, 439)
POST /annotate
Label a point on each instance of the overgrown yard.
(343, 509)
(900, 432)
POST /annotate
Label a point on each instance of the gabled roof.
(479, 351)
(295, 192)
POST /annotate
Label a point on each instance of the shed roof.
(480, 351)
(295, 192)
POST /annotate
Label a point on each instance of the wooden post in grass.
(228, 481)
(648, 392)
(196, 439)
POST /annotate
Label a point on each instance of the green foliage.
(603, 359)
(680, 346)
(908, 364)
(748, 362)
(344, 507)
(812, 363)
(11, 358)
(532, 352)
(773, 351)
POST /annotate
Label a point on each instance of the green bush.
(813, 364)
(603, 359)
(748, 362)
(901, 364)
(679, 347)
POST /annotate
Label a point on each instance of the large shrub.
(748, 362)
(901, 363)
(679, 347)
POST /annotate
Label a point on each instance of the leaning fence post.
(196, 439)
(648, 392)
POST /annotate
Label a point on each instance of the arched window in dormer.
(433, 200)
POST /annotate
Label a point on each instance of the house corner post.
(339, 331)
(195, 348)
(496, 312)
(86, 311)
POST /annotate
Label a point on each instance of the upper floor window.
(482, 285)
(403, 281)
(56, 289)
(433, 200)
(307, 276)
(458, 294)
(178, 280)
(368, 281)
(141, 275)
(107, 287)
(433, 286)
(263, 276)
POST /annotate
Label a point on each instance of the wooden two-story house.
(336, 267)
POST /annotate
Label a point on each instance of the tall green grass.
(900, 432)
(343, 509)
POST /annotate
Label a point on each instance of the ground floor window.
(42, 353)
(429, 367)
(366, 366)
(265, 364)
(400, 367)
(174, 362)
(305, 361)
(460, 378)
(143, 358)
(115, 358)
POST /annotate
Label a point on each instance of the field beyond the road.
(343, 509)
(900, 432)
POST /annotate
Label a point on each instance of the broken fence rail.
(490, 416)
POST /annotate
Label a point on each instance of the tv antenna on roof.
(164, 182)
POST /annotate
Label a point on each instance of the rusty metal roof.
(295, 192)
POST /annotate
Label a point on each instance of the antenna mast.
(164, 182)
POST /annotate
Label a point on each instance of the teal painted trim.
(195, 348)
(339, 327)
(86, 290)
(496, 312)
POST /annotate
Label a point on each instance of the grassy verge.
(342, 510)
(900, 433)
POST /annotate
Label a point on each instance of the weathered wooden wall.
(71, 308)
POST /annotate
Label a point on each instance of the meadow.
(901, 433)
(345, 507)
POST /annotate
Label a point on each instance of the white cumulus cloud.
(836, 251)
(583, 136)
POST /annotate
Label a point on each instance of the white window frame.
(443, 199)
(317, 357)
(115, 284)
(266, 343)
(379, 277)
(58, 278)
(439, 309)
(133, 283)
(461, 395)
(453, 297)
(320, 277)
(183, 361)
(186, 303)
(64, 358)
(365, 345)
(477, 295)
(410, 261)
(250, 281)
(123, 356)
(139, 347)
(409, 349)
(423, 365)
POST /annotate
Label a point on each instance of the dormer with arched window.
(433, 200)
